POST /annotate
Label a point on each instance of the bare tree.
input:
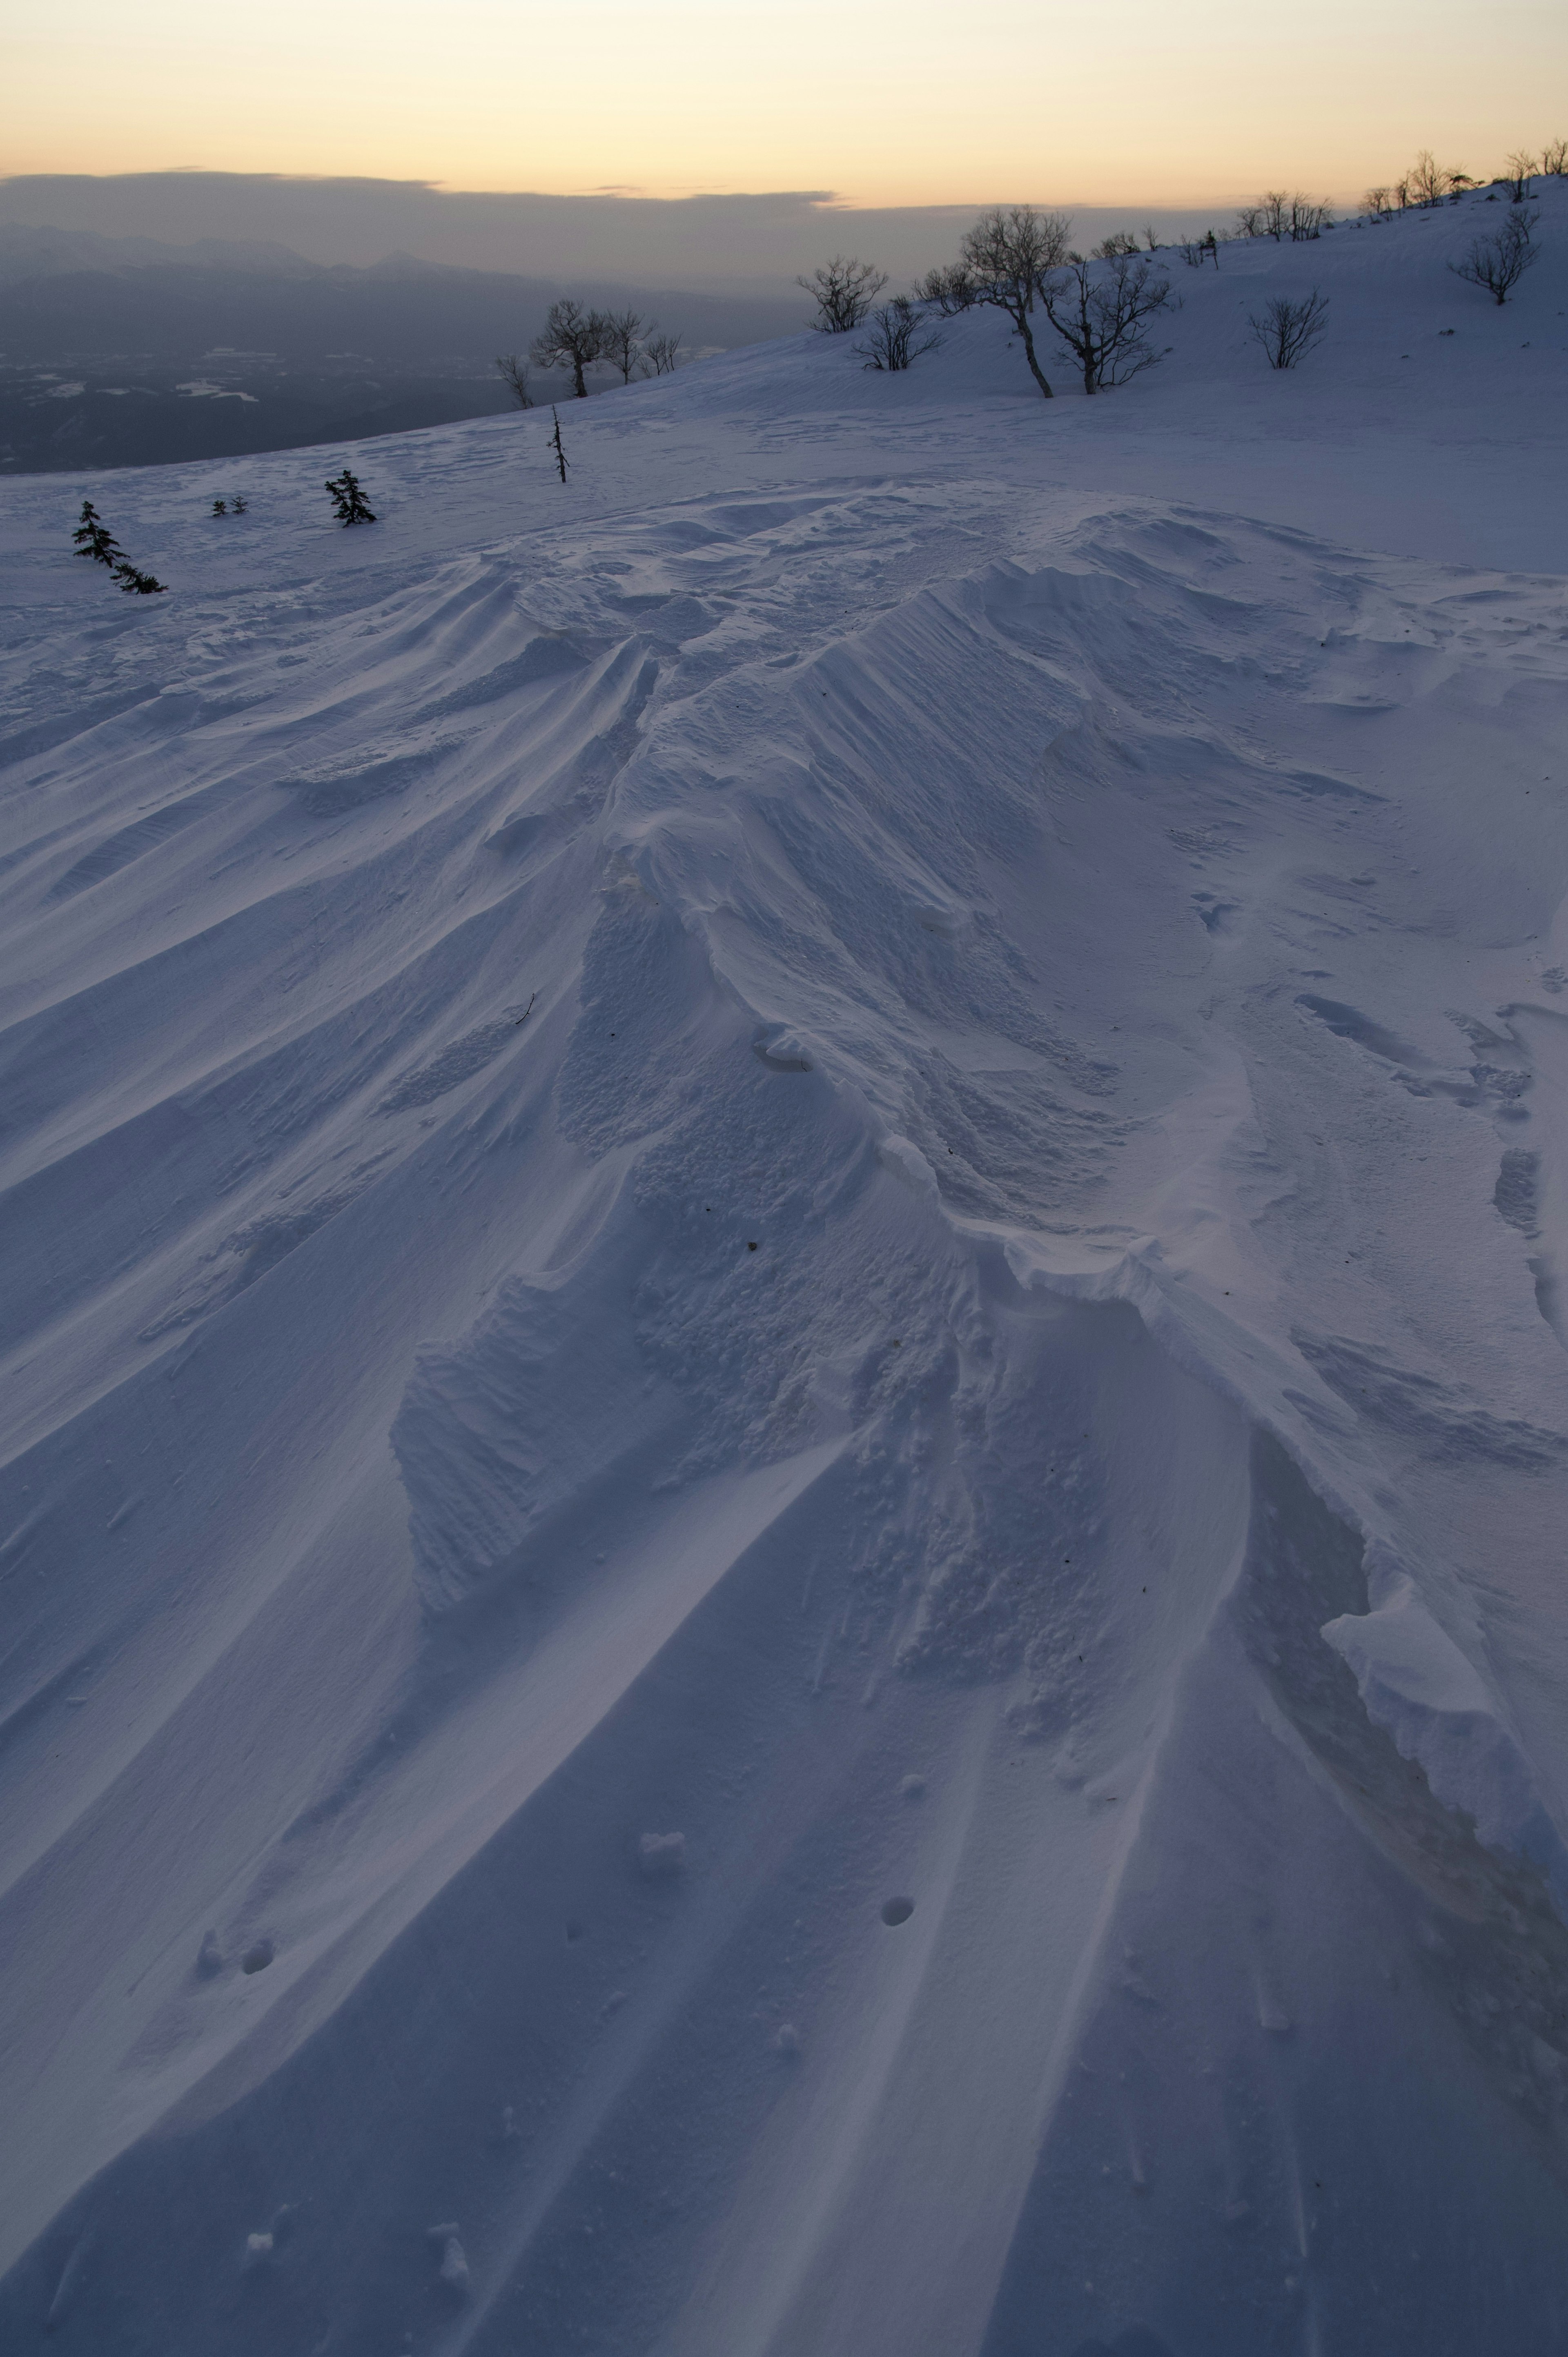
(897, 335)
(843, 290)
(1498, 263)
(1376, 202)
(513, 370)
(620, 341)
(558, 451)
(1195, 250)
(1102, 316)
(1555, 158)
(1006, 258)
(1427, 181)
(1521, 170)
(661, 355)
(1281, 216)
(1288, 328)
(1120, 241)
(571, 338)
(948, 291)
(1248, 220)
(1150, 239)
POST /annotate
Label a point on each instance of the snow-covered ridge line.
(784, 1424)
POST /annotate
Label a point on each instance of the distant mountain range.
(125, 352)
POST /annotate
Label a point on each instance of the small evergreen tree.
(219, 507)
(238, 507)
(137, 584)
(94, 539)
(348, 504)
(562, 461)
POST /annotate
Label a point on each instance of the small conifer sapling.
(238, 507)
(94, 539)
(348, 504)
(137, 584)
(562, 461)
(219, 507)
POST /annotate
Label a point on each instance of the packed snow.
(786, 1430)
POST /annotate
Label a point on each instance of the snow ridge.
(785, 1413)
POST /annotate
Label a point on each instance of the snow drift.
(786, 1422)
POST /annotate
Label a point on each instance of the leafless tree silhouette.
(1102, 316)
(1555, 158)
(897, 335)
(948, 291)
(1289, 327)
(1498, 263)
(661, 355)
(843, 291)
(1280, 215)
(1120, 241)
(1007, 259)
(1426, 180)
(620, 341)
(1377, 201)
(571, 338)
(514, 375)
(1521, 170)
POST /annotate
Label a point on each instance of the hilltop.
(785, 1426)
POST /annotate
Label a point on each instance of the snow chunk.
(661, 1855)
(1414, 1681)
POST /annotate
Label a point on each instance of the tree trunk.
(580, 384)
(1020, 321)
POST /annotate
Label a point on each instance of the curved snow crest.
(727, 856)
(654, 1104)
(1440, 1710)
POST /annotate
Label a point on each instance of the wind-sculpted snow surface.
(787, 1429)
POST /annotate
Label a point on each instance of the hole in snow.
(257, 1959)
(897, 1911)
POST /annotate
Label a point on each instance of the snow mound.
(787, 1241)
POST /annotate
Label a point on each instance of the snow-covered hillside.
(786, 1428)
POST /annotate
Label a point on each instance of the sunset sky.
(884, 102)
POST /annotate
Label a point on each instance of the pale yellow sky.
(884, 102)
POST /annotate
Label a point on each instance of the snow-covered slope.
(785, 1425)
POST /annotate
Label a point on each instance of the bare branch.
(513, 370)
(1005, 260)
(571, 338)
(948, 291)
(896, 336)
(1521, 170)
(661, 355)
(1498, 263)
(1102, 316)
(1289, 328)
(620, 335)
(843, 290)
